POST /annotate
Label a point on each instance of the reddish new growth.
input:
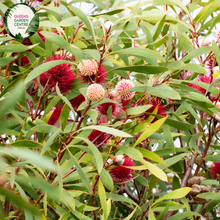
(77, 101)
(55, 115)
(201, 78)
(61, 74)
(122, 174)
(215, 169)
(97, 137)
(91, 78)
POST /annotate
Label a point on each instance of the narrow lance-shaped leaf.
(150, 130)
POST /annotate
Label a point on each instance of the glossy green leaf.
(102, 197)
(81, 174)
(5, 60)
(13, 48)
(44, 128)
(106, 179)
(146, 69)
(156, 171)
(214, 158)
(107, 130)
(26, 143)
(138, 110)
(175, 194)
(150, 130)
(64, 117)
(168, 137)
(131, 152)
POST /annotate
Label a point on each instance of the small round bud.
(119, 159)
(95, 92)
(88, 68)
(123, 85)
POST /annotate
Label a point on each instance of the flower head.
(120, 173)
(215, 169)
(104, 107)
(61, 74)
(95, 92)
(55, 115)
(97, 137)
(155, 102)
(123, 85)
(201, 78)
(77, 101)
(24, 61)
(100, 74)
(88, 67)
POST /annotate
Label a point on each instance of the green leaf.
(50, 141)
(175, 194)
(13, 47)
(146, 69)
(12, 98)
(96, 153)
(130, 215)
(216, 51)
(64, 117)
(196, 53)
(30, 156)
(151, 215)
(156, 171)
(85, 19)
(168, 137)
(131, 152)
(70, 21)
(192, 142)
(108, 130)
(210, 195)
(5, 60)
(191, 110)
(26, 143)
(138, 110)
(81, 174)
(43, 68)
(18, 201)
(214, 158)
(44, 128)
(102, 197)
(106, 179)
(151, 156)
(150, 130)
(59, 41)
(143, 52)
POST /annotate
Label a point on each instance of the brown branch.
(130, 194)
(6, 73)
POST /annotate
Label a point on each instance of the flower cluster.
(60, 74)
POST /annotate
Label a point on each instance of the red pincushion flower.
(55, 115)
(201, 78)
(77, 101)
(155, 102)
(91, 78)
(103, 108)
(61, 74)
(95, 138)
(215, 169)
(24, 61)
(120, 173)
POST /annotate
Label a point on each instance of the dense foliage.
(111, 115)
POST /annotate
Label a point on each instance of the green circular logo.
(21, 21)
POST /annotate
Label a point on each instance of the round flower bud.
(124, 85)
(95, 92)
(88, 67)
(119, 159)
